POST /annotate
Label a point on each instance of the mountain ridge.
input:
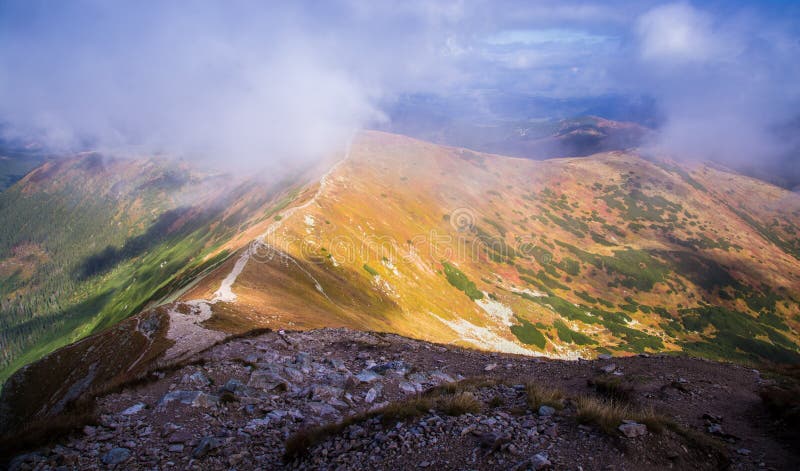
(568, 258)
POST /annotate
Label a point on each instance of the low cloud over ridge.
(252, 84)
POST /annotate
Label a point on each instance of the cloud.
(676, 32)
(260, 83)
(725, 82)
(242, 83)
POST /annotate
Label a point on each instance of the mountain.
(522, 125)
(610, 254)
(89, 240)
(564, 257)
(17, 159)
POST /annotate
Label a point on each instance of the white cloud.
(676, 32)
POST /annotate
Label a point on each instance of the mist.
(249, 85)
(240, 84)
(726, 84)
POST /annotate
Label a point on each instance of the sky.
(252, 84)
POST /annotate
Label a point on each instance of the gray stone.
(546, 411)
(232, 386)
(197, 379)
(268, 381)
(322, 392)
(371, 395)
(604, 356)
(116, 456)
(189, 398)
(368, 376)
(410, 388)
(540, 461)
(398, 366)
(134, 409)
(206, 446)
(609, 368)
(633, 429)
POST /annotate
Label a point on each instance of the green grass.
(565, 334)
(637, 268)
(100, 267)
(370, 270)
(528, 334)
(460, 281)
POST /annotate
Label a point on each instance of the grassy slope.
(88, 242)
(628, 255)
(565, 257)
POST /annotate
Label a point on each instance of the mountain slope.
(88, 241)
(566, 257)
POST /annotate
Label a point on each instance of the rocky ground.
(339, 399)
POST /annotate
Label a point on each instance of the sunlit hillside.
(566, 257)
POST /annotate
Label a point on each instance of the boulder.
(206, 446)
(134, 409)
(268, 381)
(546, 411)
(116, 456)
(189, 398)
(632, 429)
(368, 376)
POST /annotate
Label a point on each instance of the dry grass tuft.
(452, 399)
(460, 404)
(407, 409)
(298, 443)
(465, 385)
(609, 414)
(613, 388)
(540, 396)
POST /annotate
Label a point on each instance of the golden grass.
(299, 442)
(538, 396)
(609, 414)
(451, 399)
(613, 388)
(465, 385)
(460, 404)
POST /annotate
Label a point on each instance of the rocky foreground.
(340, 399)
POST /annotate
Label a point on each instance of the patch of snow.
(483, 337)
(188, 333)
(497, 310)
(384, 286)
(309, 220)
(388, 264)
(535, 294)
(225, 292)
(566, 352)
